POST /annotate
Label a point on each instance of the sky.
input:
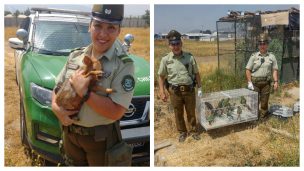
(185, 18)
(130, 10)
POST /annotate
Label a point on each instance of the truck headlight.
(42, 95)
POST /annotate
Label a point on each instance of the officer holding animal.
(87, 141)
(261, 68)
(179, 70)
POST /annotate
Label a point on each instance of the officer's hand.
(275, 85)
(79, 82)
(163, 96)
(199, 93)
(250, 86)
(63, 115)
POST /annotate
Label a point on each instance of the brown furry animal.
(66, 96)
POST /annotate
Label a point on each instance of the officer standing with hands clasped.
(260, 68)
(85, 141)
(180, 70)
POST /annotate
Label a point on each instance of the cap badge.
(108, 11)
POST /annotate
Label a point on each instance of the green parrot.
(244, 103)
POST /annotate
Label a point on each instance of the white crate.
(225, 108)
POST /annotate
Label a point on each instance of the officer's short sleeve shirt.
(118, 75)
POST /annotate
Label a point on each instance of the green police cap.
(109, 13)
(263, 38)
(174, 36)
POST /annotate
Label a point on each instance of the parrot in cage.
(211, 117)
(244, 103)
(222, 105)
(239, 112)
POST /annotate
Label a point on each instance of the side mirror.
(16, 43)
(22, 34)
(128, 39)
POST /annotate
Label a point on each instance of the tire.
(23, 131)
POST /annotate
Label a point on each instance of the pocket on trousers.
(119, 155)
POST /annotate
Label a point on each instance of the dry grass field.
(141, 44)
(13, 150)
(245, 144)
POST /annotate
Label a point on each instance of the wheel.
(23, 131)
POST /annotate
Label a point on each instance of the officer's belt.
(182, 88)
(259, 79)
(80, 130)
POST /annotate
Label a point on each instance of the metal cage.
(225, 108)
(237, 36)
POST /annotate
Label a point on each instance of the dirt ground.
(245, 144)
(14, 153)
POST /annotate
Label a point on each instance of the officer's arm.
(275, 75)
(248, 75)
(115, 105)
(198, 80)
(161, 83)
(105, 106)
(62, 114)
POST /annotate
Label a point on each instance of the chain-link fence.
(11, 21)
(237, 40)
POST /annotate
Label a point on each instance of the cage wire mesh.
(225, 108)
(237, 40)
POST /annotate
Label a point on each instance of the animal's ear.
(87, 61)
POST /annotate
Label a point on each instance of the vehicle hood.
(142, 76)
(47, 67)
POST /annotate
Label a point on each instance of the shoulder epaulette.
(125, 58)
(189, 53)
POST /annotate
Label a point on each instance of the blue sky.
(130, 10)
(185, 18)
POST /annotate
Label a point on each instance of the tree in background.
(7, 12)
(16, 13)
(146, 17)
(27, 12)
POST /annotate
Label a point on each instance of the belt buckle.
(77, 130)
(182, 88)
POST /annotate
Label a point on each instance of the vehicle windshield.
(59, 38)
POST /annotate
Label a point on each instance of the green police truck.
(42, 46)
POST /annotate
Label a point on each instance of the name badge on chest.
(73, 66)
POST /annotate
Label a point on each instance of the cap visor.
(174, 41)
(106, 21)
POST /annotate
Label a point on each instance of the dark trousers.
(82, 150)
(263, 88)
(179, 101)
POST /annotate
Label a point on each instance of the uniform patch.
(128, 83)
(73, 66)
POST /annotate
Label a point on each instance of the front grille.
(141, 105)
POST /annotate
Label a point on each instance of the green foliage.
(17, 13)
(221, 80)
(27, 12)
(276, 47)
(146, 17)
(7, 12)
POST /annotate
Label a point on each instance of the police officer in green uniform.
(85, 141)
(179, 70)
(260, 68)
